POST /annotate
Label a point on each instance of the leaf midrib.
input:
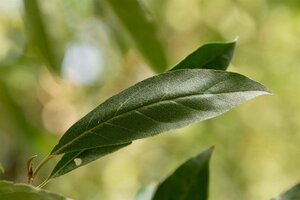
(137, 108)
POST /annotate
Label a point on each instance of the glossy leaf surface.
(161, 103)
(291, 194)
(209, 56)
(189, 181)
(142, 31)
(38, 34)
(11, 191)
(73, 160)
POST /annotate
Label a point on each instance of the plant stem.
(41, 164)
(43, 183)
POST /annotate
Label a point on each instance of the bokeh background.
(60, 59)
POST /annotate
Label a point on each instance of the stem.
(43, 183)
(41, 164)
(30, 169)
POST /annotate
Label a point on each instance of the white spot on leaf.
(77, 161)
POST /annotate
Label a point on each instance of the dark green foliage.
(209, 56)
(150, 107)
(189, 181)
(161, 103)
(155, 105)
(68, 162)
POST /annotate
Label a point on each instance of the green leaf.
(38, 34)
(11, 191)
(209, 56)
(142, 31)
(167, 101)
(189, 181)
(73, 160)
(291, 194)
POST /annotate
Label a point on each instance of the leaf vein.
(122, 127)
(148, 117)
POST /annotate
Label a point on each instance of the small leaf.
(38, 34)
(167, 101)
(141, 30)
(11, 191)
(209, 56)
(291, 194)
(189, 181)
(73, 160)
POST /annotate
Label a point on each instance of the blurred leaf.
(142, 31)
(113, 26)
(30, 135)
(291, 194)
(1, 169)
(209, 56)
(189, 181)
(167, 101)
(291, 4)
(73, 160)
(11, 191)
(17, 50)
(38, 34)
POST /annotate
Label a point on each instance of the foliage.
(106, 25)
(201, 94)
(153, 106)
(11, 191)
(39, 35)
(189, 181)
(142, 31)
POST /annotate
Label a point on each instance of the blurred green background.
(60, 59)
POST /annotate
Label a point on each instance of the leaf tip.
(206, 153)
(269, 92)
(236, 39)
(210, 150)
(266, 91)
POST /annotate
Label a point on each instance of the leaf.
(167, 101)
(209, 56)
(291, 194)
(73, 160)
(38, 34)
(189, 181)
(141, 30)
(11, 191)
